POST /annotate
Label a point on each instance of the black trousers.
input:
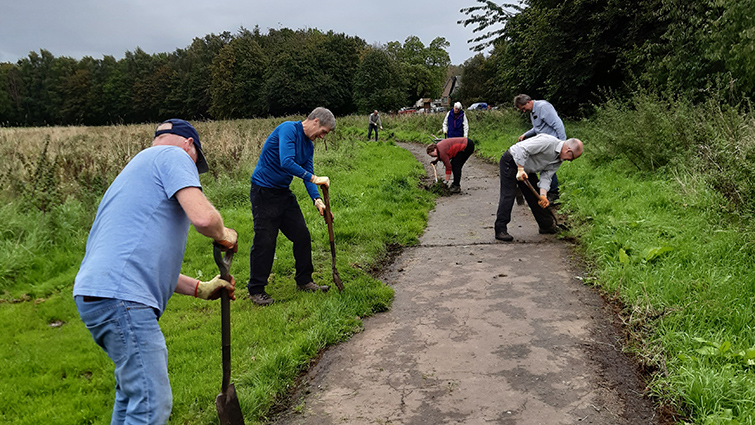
(274, 210)
(459, 160)
(506, 200)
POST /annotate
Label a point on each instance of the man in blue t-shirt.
(133, 261)
(287, 153)
(545, 120)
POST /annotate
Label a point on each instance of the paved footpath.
(479, 333)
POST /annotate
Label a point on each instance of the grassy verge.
(667, 234)
(53, 373)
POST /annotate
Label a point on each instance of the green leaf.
(653, 254)
(707, 351)
(623, 257)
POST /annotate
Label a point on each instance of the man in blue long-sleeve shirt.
(287, 153)
(545, 120)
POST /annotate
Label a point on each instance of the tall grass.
(52, 372)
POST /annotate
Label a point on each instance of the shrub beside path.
(479, 332)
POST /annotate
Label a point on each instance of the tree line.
(575, 53)
(223, 76)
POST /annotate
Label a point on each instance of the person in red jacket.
(454, 152)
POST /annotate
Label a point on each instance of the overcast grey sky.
(95, 28)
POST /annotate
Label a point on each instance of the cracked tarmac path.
(479, 332)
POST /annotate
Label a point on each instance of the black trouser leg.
(507, 176)
(543, 218)
(265, 208)
(295, 229)
(457, 162)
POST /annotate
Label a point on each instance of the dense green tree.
(237, 78)
(308, 69)
(379, 82)
(11, 94)
(43, 77)
(190, 95)
(424, 67)
(476, 81)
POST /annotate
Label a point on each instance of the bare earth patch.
(479, 332)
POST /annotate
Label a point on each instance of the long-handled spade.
(329, 221)
(227, 402)
(555, 220)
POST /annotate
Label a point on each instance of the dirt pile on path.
(479, 332)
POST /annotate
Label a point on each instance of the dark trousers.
(369, 132)
(506, 201)
(554, 186)
(274, 210)
(459, 160)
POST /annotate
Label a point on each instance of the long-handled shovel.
(329, 221)
(227, 402)
(555, 220)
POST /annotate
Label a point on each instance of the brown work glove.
(543, 202)
(230, 240)
(211, 290)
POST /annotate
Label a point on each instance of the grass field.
(671, 243)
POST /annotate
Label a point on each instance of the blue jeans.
(131, 337)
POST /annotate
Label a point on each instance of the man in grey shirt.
(545, 120)
(373, 122)
(541, 154)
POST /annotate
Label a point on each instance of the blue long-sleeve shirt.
(545, 120)
(287, 153)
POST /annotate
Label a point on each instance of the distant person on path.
(454, 152)
(133, 262)
(373, 122)
(287, 153)
(455, 124)
(539, 154)
(545, 120)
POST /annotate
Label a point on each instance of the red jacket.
(448, 148)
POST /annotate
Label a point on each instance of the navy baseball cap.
(184, 129)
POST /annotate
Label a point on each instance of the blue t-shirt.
(137, 242)
(287, 153)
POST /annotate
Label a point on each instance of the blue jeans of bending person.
(276, 210)
(130, 335)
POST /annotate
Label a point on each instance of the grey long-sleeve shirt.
(374, 119)
(545, 120)
(539, 154)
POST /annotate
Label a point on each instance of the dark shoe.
(454, 189)
(503, 236)
(261, 299)
(549, 230)
(312, 287)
